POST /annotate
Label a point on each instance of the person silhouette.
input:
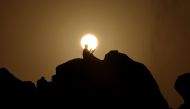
(182, 85)
(87, 54)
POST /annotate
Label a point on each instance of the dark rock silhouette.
(182, 85)
(42, 86)
(117, 76)
(5, 75)
(13, 87)
(117, 79)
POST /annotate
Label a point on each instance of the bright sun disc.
(89, 40)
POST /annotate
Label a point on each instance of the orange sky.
(37, 35)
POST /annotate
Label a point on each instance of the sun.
(90, 40)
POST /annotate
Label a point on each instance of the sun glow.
(89, 40)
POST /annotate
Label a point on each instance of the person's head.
(85, 46)
(182, 85)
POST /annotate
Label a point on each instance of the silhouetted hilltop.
(117, 78)
(10, 86)
(5, 75)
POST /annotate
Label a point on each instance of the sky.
(38, 35)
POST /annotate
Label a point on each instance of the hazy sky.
(36, 36)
